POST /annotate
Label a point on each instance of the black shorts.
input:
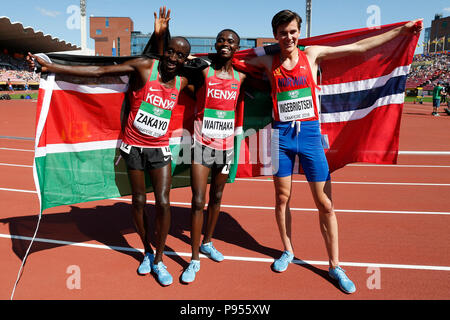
(212, 158)
(138, 158)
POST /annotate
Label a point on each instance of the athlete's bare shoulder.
(141, 62)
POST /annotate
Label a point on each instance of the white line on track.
(406, 152)
(396, 165)
(349, 165)
(304, 181)
(358, 182)
(13, 149)
(298, 209)
(235, 258)
(16, 165)
(268, 208)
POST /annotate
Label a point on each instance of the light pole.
(308, 18)
(83, 24)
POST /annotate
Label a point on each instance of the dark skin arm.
(139, 68)
(161, 26)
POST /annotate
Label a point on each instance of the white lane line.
(298, 209)
(16, 165)
(234, 258)
(12, 149)
(18, 190)
(358, 182)
(304, 181)
(406, 152)
(427, 153)
(396, 165)
(269, 208)
(383, 165)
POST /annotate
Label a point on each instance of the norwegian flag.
(360, 100)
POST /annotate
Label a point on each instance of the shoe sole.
(143, 274)
(342, 289)
(157, 280)
(209, 256)
(279, 271)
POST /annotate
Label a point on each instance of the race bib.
(218, 124)
(151, 120)
(125, 147)
(295, 105)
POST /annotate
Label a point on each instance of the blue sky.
(205, 18)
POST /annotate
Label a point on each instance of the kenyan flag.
(79, 125)
(78, 131)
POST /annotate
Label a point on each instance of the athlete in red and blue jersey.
(293, 77)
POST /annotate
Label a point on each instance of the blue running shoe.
(189, 274)
(345, 283)
(210, 251)
(163, 276)
(146, 265)
(281, 264)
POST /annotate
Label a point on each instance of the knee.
(138, 200)
(163, 202)
(215, 198)
(281, 198)
(325, 207)
(198, 202)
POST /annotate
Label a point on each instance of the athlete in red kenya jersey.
(150, 112)
(140, 70)
(215, 111)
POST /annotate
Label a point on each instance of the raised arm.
(127, 67)
(161, 27)
(320, 53)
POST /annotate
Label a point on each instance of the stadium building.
(439, 35)
(112, 35)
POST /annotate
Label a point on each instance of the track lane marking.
(267, 208)
(234, 258)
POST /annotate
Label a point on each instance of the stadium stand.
(426, 71)
(15, 42)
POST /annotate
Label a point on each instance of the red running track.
(393, 225)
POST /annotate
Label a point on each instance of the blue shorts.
(307, 144)
(436, 103)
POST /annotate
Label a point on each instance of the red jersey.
(293, 91)
(150, 112)
(215, 111)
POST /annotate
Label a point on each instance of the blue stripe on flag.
(358, 100)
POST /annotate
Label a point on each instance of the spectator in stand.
(437, 92)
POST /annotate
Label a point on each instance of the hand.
(414, 27)
(32, 65)
(162, 23)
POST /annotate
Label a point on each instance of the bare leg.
(137, 180)
(199, 181)
(161, 180)
(282, 212)
(321, 192)
(218, 181)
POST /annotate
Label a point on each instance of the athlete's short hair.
(183, 39)
(232, 31)
(285, 16)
